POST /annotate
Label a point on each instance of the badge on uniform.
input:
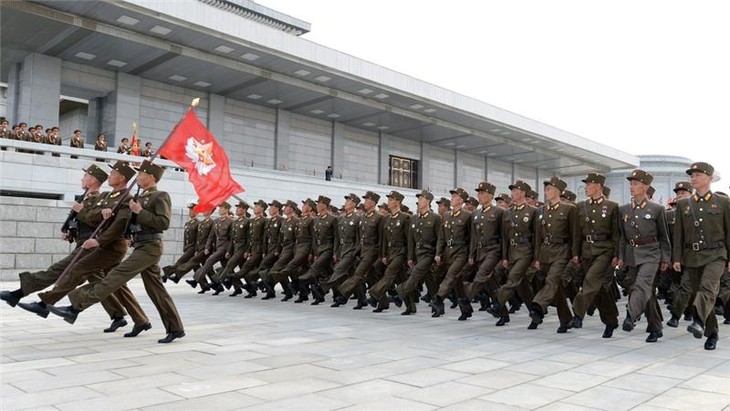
(648, 216)
(626, 218)
(526, 219)
(113, 195)
(352, 223)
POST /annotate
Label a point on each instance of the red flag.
(192, 146)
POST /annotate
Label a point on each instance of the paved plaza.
(254, 354)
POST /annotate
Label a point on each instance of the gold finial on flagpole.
(195, 102)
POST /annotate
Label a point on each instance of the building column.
(34, 90)
(281, 140)
(216, 114)
(338, 148)
(122, 108)
(424, 169)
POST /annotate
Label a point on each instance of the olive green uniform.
(371, 232)
(394, 246)
(423, 238)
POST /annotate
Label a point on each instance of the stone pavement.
(254, 354)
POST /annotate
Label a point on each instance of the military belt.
(141, 238)
(369, 242)
(454, 243)
(519, 240)
(635, 242)
(425, 246)
(396, 244)
(592, 238)
(328, 242)
(707, 245)
(287, 242)
(346, 242)
(555, 240)
(489, 243)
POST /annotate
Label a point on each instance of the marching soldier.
(272, 246)
(325, 235)
(288, 244)
(347, 244)
(644, 248)
(190, 231)
(236, 248)
(394, 246)
(256, 234)
(702, 249)
(485, 250)
(680, 296)
(452, 251)
(371, 232)
(423, 239)
(558, 242)
(218, 241)
(519, 228)
(504, 201)
(303, 254)
(153, 217)
(598, 219)
(177, 271)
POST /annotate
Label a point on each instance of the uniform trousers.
(230, 266)
(705, 281)
(643, 296)
(363, 270)
(143, 260)
(516, 282)
(407, 290)
(394, 271)
(552, 291)
(274, 275)
(594, 290)
(456, 260)
(207, 269)
(485, 268)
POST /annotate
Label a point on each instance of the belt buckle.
(479, 245)
(696, 246)
(449, 242)
(589, 238)
(632, 242)
(512, 242)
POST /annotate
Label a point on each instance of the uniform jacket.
(519, 228)
(190, 233)
(371, 233)
(455, 233)
(348, 234)
(395, 235)
(486, 232)
(598, 227)
(220, 235)
(256, 234)
(708, 240)
(239, 235)
(644, 237)
(424, 234)
(201, 238)
(558, 233)
(272, 235)
(325, 233)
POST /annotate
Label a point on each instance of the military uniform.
(519, 243)
(272, 249)
(558, 240)
(219, 240)
(394, 246)
(190, 232)
(346, 246)
(423, 238)
(325, 235)
(599, 230)
(237, 246)
(371, 233)
(299, 264)
(485, 249)
(153, 219)
(201, 241)
(288, 244)
(256, 234)
(702, 246)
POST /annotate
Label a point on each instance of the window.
(403, 172)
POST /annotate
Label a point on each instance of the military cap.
(720, 193)
(324, 200)
(650, 191)
(486, 186)
(297, 211)
(520, 185)
(99, 174)
(333, 209)
(225, 205)
(152, 169)
(641, 176)
(445, 201)
(360, 207)
(682, 185)
(473, 201)
(124, 169)
(277, 204)
(595, 178)
(425, 193)
(557, 183)
(290, 203)
(460, 192)
(383, 205)
(532, 194)
(372, 196)
(395, 195)
(243, 204)
(504, 197)
(262, 204)
(310, 203)
(404, 208)
(354, 197)
(702, 168)
(568, 195)
(606, 191)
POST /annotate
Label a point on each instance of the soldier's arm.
(116, 230)
(726, 220)
(158, 215)
(574, 230)
(678, 246)
(663, 233)
(622, 241)
(615, 235)
(336, 236)
(441, 242)
(536, 232)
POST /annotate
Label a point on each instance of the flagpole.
(118, 205)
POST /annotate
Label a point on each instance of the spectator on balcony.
(125, 148)
(100, 144)
(76, 141)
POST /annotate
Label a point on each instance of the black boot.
(466, 309)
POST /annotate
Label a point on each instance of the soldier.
(485, 250)
(680, 296)
(272, 246)
(153, 216)
(325, 234)
(383, 209)
(53, 139)
(531, 198)
(519, 228)
(444, 205)
(176, 272)
(568, 196)
(394, 243)
(88, 216)
(216, 248)
(650, 193)
(471, 204)
(606, 192)
(5, 132)
(504, 201)
(303, 254)
(76, 141)
(288, 244)
(190, 231)
(256, 234)
(236, 248)
(422, 240)
(452, 252)
(124, 148)
(346, 246)
(598, 219)
(644, 248)
(558, 242)
(371, 232)
(702, 248)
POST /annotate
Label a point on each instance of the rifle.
(71, 225)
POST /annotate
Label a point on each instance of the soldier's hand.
(614, 261)
(89, 244)
(246, 255)
(437, 259)
(106, 213)
(411, 263)
(537, 265)
(228, 256)
(64, 236)
(207, 252)
(505, 263)
(129, 242)
(471, 261)
(620, 263)
(677, 267)
(77, 207)
(575, 260)
(134, 206)
(663, 266)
